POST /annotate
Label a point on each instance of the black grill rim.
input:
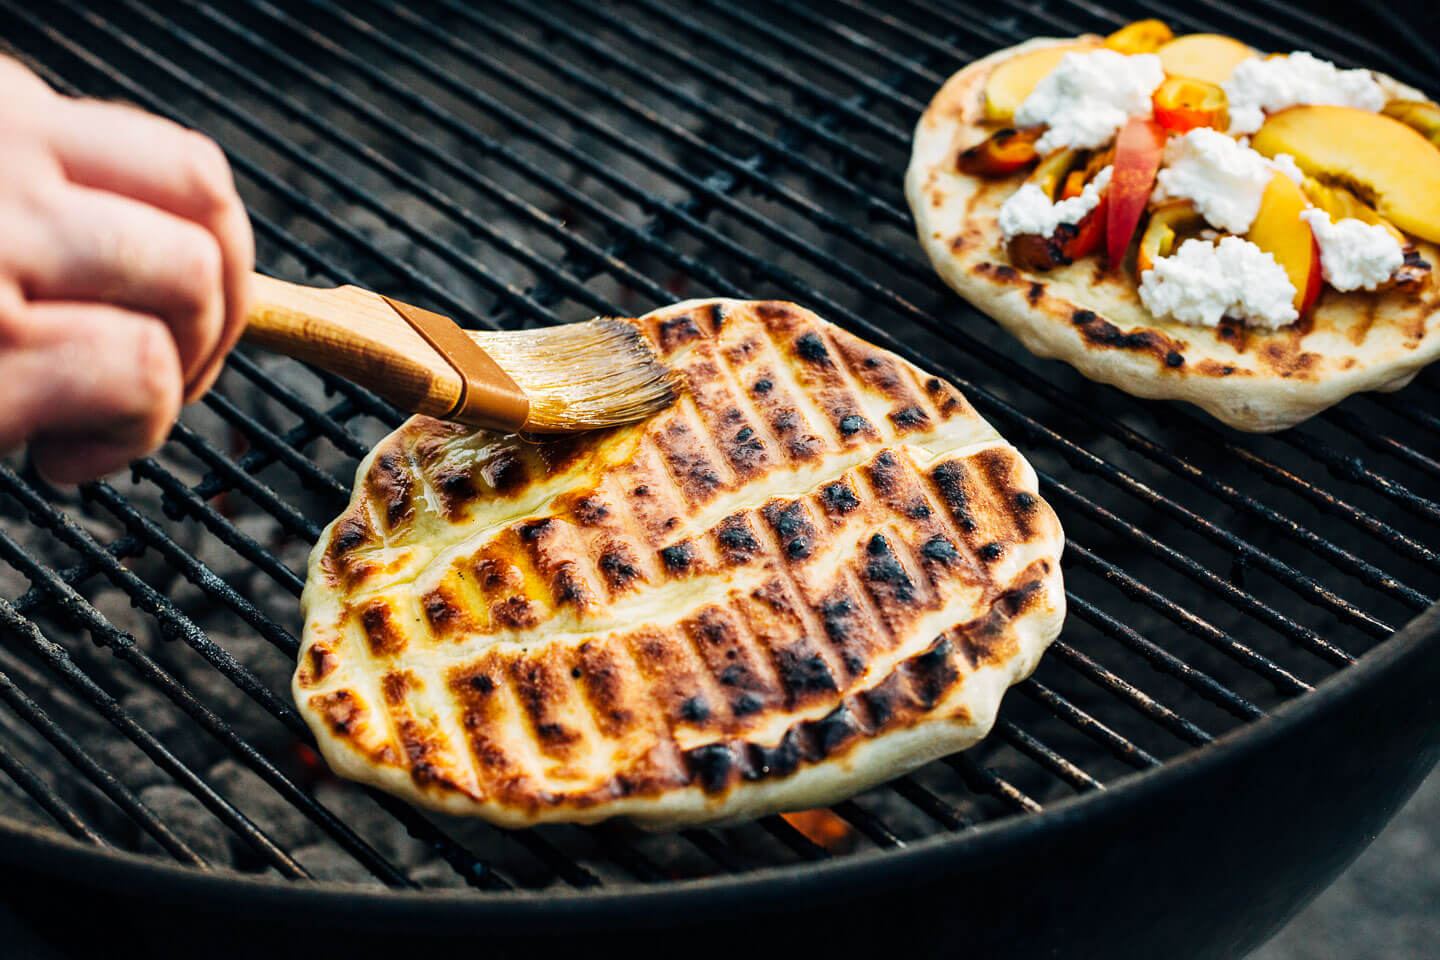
(47, 850)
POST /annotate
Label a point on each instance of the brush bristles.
(581, 376)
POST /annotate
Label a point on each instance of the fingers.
(119, 149)
(105, 248)
(93, 385)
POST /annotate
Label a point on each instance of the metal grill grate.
(541, 163)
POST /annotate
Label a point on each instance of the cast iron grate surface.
(540, 163)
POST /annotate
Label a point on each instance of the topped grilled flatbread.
(819, 569)
(1092, 317)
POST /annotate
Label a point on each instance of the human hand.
(125, 254)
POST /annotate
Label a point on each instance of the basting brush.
(579, 376)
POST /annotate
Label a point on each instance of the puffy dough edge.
(869, 763)
(1255, 405)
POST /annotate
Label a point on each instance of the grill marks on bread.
(814, 547)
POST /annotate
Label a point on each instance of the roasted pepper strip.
(1000, 154)
(1183, 104)
(1166, 223)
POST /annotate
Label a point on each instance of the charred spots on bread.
(674, 332)
(678, 557)
(939, 549)
(619, 566)
(455, 486)
(838, 498)
(590, 510)
(910, 418)
(1099, 332)
(932, 674)
(507, 473)
(952, 482)
(694, 709)
(736, 540)
(811, 348)
(685, 457)
(778, 761)
(711, 766)
(444, 612)
(803, 673)
(884, 473)
(792, 527)
(991, 552)
(515, 613)
(830, 733)
(884, 572)
(852, 424)
(320, 661)
(341, 710)
(382, 628)
(746, 452)
(1035, 294)
(393, 485)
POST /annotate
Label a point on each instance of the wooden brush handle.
(365, 338)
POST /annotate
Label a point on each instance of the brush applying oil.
(579, 376)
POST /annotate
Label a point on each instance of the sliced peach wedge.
(1137, 158)
(1280, 232)
(1385, 162)
(1013, 80)
(1203, 56)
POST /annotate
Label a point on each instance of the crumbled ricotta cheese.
(1204, 282)
(1029, 210)
(1354, 255)
(1224, 179)
(1087, 98)
(1260, 85)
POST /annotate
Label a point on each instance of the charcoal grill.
(1237, 703)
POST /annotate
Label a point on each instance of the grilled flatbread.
(819, 569)
(1251, 379)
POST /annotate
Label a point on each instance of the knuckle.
(204, 267)
(157, 368)
(209, 172)
(13, 325)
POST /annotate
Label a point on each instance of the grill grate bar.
(123, 646)
(625, 28)
(31, 712)
(755, 24)
(932, 806)
(47, 799)
(1102, 734)
(472, 267)
(617, 59)
(982, 779)
(1047, 758)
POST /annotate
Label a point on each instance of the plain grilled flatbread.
(1250, 379)
(818, 570)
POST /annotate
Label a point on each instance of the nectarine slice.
(1012, 81)
(1279, 231)
(1137, 158)
(1203, 56)
(1142, 36)
(1385, 162)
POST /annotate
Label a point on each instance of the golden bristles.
(580, 376)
